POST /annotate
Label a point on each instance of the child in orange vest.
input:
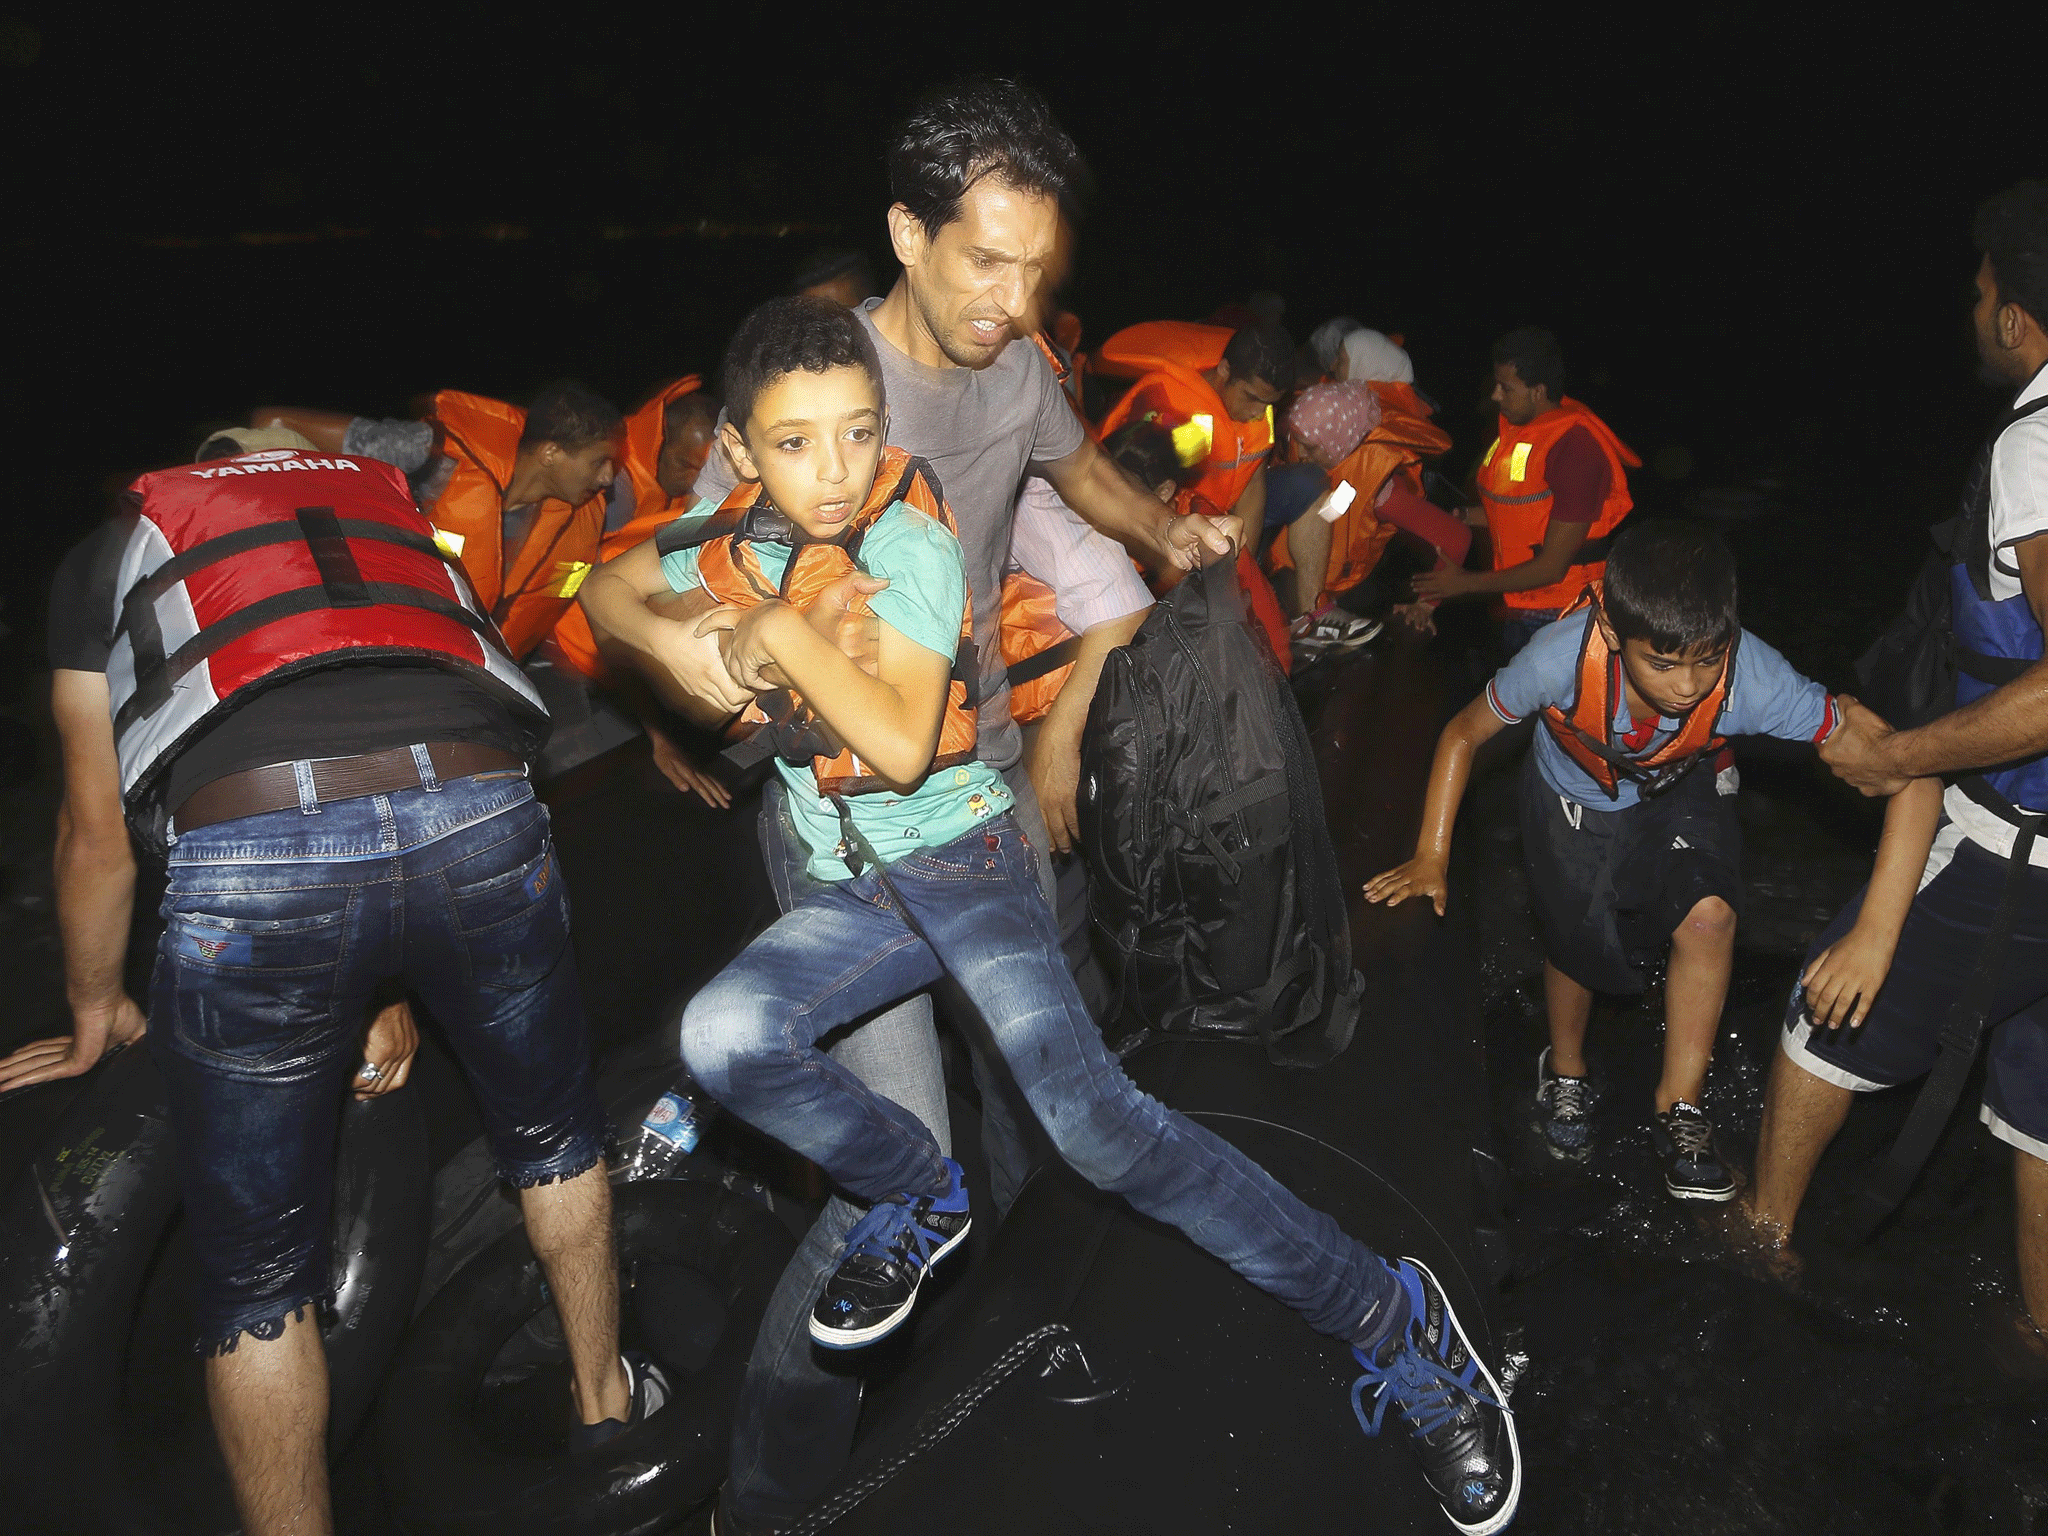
(1628, 819)
(924, 871)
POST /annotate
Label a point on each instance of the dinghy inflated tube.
(447, 1472)
(83, 1251)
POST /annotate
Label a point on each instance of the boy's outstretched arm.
(1843, 981)
(890, 721)
(684, 669)
(1427, 873)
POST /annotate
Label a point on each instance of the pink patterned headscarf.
(1334, 418)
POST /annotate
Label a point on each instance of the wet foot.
(1757, 1246)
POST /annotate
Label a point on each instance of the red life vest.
(646, 431)
(730, 568)
(482, 437)
(1169, 356)
(241, 573)
(1586, 730)
(1517, 498)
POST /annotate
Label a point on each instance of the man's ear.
(736, 446)
(1222, 372)
(907, 237)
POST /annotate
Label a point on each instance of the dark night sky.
(1754, 240)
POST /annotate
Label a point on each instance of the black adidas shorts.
(1609, 887)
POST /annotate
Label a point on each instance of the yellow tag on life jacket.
(572, 573)
(1492, 449)
(1518, 463)
(450, 544)
(1193, 439)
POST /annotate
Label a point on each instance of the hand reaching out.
(1419, 877)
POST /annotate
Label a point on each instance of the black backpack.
(1214, 886)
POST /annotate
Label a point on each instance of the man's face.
(1518, 402)
(974, 282)
(1672, 682)
(576, 476)
(813, 440)
(683, 452)
(1247, 399)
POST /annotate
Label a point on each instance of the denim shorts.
(279, 929)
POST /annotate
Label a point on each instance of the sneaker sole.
(1506, 1514)
(855, 1338)
(1715, 1196)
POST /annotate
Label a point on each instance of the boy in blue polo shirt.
(921, 869)
(1628, 816)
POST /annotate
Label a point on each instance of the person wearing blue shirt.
(1628, 824)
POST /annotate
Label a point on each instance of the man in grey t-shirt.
(979, 175)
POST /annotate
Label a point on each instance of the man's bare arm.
(1561, 541)
(2008, 724)
(323, 429)
(1089, 481)
(95, 890)
(1055, 760)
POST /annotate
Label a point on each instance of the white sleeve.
(1092, 578)
(2019, 496)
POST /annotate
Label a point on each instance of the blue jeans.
(750, 1039)
(1523, 625)
(278, 929)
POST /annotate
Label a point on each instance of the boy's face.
(813, 441)
(1246, 399)
(1669, 682)
(576, 475)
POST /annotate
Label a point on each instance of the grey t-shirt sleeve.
(405, 445)
(718, 476)
(1057, 430)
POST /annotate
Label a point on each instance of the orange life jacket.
(1168, 356)
(1037, 648)
(1586, 730)
(1396, 447)
(652, 509)
(482, 437)
(1517, 497)
(729, 566)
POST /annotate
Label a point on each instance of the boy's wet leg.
(1802, 1114)
(2030, 1221)
(1695, 989)
(268, 1398)
(1563, 1097)
(569, 1224)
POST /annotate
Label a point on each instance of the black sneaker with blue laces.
(1461, 1425)
(887, 1255)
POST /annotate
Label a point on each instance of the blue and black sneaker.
(1463, 1429)
(647, 1391)
(887, 1255)
(1562, 1104)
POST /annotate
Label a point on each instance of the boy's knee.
(1710, 918)
(720, 1028)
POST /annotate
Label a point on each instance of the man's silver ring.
(370, 1071)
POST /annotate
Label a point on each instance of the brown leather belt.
(275, 787)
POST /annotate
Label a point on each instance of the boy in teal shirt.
(923, 870)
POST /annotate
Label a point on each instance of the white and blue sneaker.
(1457, 1415)
(887, 1255)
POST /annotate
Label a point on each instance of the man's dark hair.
(2012, 230)
(980, 128)
(1146, 449)
(788, 334)
(1265, 352)
(697, 405)
(571, 417)
(830, 265)
(1538, 359)
(1672, 583)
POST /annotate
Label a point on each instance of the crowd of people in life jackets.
(315, 668)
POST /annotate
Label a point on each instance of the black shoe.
(726, 1522)
(1693, 1170)
(647, 1390)
(1562, 1104)
(1463, 1429)
(887, 1255)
